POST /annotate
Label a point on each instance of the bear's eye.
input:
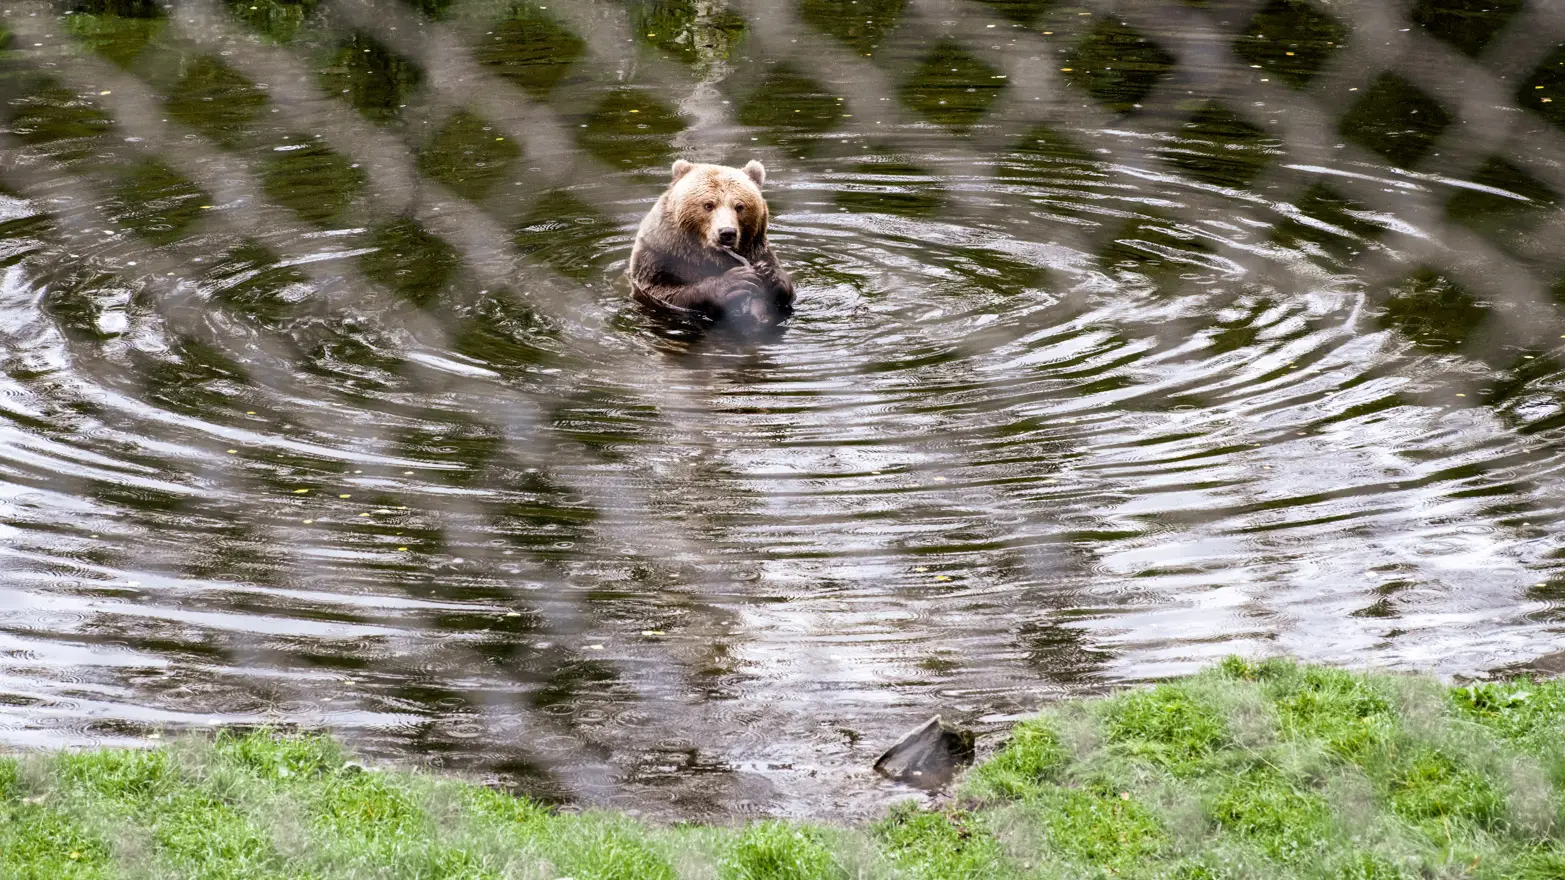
(739, 208)
(710, 205)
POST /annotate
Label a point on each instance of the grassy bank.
(1248, 770)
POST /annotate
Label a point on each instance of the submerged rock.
(927, 756)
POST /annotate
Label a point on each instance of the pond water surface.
(1125, 342)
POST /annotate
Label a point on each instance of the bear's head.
(718, 206)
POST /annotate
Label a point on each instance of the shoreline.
(1247, 769)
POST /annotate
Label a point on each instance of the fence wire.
(376, 152)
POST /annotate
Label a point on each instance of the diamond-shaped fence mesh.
(384, 239)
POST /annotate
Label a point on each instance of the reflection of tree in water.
(629, 127)
(211, 98)
(1291, 38)
(1021, 11)
(861, 25)
(697, 32)
(1117, 65)
(1469, 25)
(1396, 119)
(314, 180)
(791, 110)
(952, 87)
(118, 30)
(530, 48)
(468, 155)
(280, 20)
(374, 79)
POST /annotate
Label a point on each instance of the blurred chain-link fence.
(393, 232)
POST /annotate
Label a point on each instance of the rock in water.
(928, 756)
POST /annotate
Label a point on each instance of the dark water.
(1123, 344)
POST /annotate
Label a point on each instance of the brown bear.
(701, 251)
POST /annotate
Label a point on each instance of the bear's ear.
(681, 168)
(756, 172)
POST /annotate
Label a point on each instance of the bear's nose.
(727, 235)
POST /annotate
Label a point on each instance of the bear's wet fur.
(701, 251)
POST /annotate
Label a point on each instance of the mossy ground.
(1266, 770)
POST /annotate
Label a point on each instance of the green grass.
(1250, 769)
